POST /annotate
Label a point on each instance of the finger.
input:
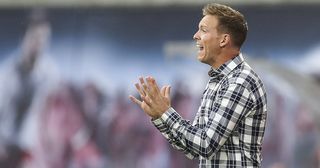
(144, 86)
(144, 107)
(145, 89)
(141, 80)
(152, 88)
(141, 92)
(147, 100)
(154, 83)
(135, 100)
(167, 92)
(163, 90)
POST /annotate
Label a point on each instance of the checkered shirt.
(229, 126)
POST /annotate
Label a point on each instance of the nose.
(196, 36)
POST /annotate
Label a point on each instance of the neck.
(225, 55)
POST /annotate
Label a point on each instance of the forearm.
(171, 137)
(184, 136)
(205, 142)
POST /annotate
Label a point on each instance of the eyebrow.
(203, 26)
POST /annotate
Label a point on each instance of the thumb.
(163, 91)
(167, 92)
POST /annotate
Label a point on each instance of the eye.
(203, 30)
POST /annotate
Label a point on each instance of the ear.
(225, 39)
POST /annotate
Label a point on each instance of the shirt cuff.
(157, 122)
(167, 118)
(170, 118)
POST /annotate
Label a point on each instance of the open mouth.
(200, 47)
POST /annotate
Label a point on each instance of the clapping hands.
(154, 102)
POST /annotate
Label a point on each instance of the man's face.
(208, 39)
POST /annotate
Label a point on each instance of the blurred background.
(67, 68)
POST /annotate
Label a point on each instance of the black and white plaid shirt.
(229, 126)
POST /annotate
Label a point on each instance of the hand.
(153, 101)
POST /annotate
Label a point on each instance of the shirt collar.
(227, 67)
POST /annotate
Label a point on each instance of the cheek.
(207, 45)
(211, 44)
(207, 40)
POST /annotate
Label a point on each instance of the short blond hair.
(230, 21)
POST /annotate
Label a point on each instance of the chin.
(201, 58)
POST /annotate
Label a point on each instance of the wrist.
(158, 115)
(155, 117)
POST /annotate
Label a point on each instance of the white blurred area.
(310, 62)
(68, 66)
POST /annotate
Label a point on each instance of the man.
(229, 126)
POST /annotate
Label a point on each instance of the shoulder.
(243, 75)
